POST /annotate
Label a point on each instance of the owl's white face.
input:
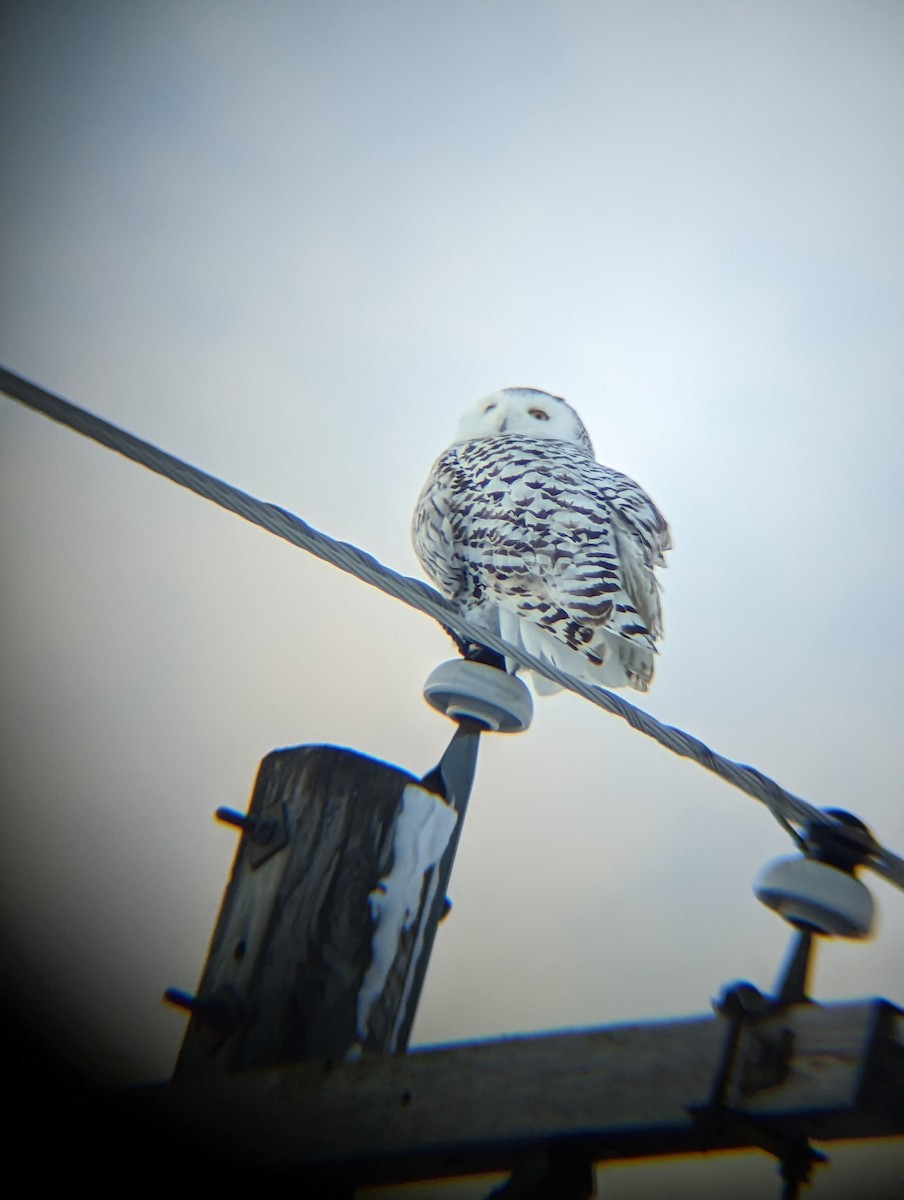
(527, 411)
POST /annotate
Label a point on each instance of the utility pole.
(294, 1057)
(339, 882)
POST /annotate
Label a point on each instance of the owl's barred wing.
(635, 510)
(433, 532)
(642, 537)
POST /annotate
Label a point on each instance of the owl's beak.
(496, 417)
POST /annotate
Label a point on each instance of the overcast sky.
(291, 243)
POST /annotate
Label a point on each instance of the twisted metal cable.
(788, 810)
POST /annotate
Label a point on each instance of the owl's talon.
(474, 652)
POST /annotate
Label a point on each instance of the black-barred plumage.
(529, 536)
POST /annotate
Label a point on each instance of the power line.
(788, 810)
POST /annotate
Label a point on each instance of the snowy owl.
(530, 537)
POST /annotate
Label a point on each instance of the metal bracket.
(754, 1059)
(767, 1061)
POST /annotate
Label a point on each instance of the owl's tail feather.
(543, 686)
(613, 661)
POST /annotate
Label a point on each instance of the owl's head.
(524, 410)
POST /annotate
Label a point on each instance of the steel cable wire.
(789, 810)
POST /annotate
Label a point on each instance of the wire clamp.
(755, 1056)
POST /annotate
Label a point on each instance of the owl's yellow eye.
(538, 414)
(489, 408)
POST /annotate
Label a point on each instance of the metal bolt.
(258, 830)
(219, 1015)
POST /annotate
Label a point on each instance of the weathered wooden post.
(339, 882)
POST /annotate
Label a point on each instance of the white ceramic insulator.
(814, 895)
(462, 689)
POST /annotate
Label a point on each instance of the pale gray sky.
(291, 243)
